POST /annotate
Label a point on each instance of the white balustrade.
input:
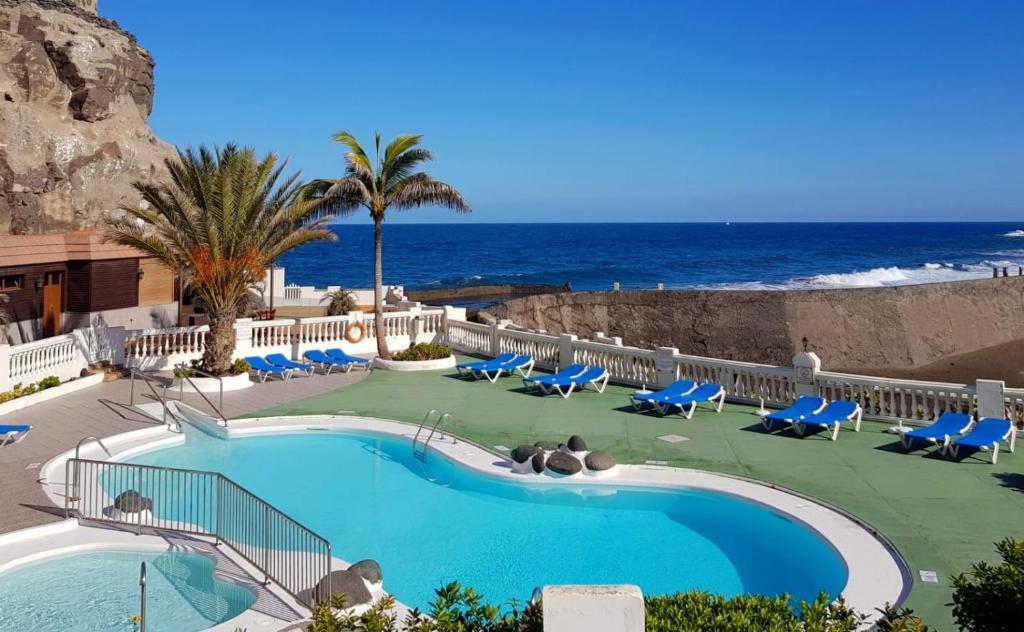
(627, 365)
(543, 348)
(469, 337)
(1014, 404)
(908, 400)
(157, 349)
(32, 361)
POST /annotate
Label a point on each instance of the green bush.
(21, 390)
(239, 366)
(423, 351)
(697, 611)
(990, 598)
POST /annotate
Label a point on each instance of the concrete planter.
(212, 385)
(51, 393)
(415, 365)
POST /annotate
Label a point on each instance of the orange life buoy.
(352, 337)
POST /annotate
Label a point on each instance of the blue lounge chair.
(804, 407)
(265, 369)
(830, 419)
(466, 367)
(278, 359)
(13, 434)
(679, 387)
(326, 362)
(564, 386)
(948, 425)
(492, 371)
(687, 404)
(338, 354)
(987, 434)
(538, 380)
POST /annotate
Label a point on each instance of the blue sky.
(604, 111)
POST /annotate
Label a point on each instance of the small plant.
(49, 382)
(423, 351)
(697, 611)
(900, 620)
(184, 371)
(340, 302)
(239, 366)
(135, 621)
(20, 390)
(990, 598)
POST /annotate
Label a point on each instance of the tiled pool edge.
(876, 572)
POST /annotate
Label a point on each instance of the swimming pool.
(435, 522)
(99, 590)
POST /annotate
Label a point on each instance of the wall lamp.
(39, 283)
(140, 273)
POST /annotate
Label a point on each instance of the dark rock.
(599, 461)
(547, 445)
(368, 570)
(538, 462)
(562, 463)
(524, 453)
(347, 583)
(577, 444)
(132, 502)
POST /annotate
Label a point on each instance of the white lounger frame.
(800, 427)
(263, 375)
(523, 370)
(769, 425)
(14, 436)
(687, 411)
(638, 404)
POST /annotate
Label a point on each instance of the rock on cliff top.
(75, 96)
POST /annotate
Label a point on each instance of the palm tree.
(223, 216)
(5, 317)
(390, 181)
(339, 302)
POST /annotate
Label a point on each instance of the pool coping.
(876, 572)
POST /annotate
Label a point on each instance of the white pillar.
(991, 398)
(806, 365)
(566, 354)
(615, 608)
(665, 365)
(5, 367)
(243, 338)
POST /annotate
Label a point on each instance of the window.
(12, 282)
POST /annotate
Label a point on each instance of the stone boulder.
(598, 461)
(368, 570)
(577, 444)
(538, 462)
(131, 502)
(524, 453)
(562, 463)
(348, 583)
(547, 445)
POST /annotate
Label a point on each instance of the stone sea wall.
(878, 331)
(76, 92)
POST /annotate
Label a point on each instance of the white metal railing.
(884, 398)
(32, 361)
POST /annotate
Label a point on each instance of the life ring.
(352, 337)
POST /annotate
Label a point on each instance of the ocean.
(748, 256)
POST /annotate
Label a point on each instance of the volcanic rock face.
(75, 95)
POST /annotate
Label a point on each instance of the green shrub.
(49, 382)
(697, 611)
(423, 351)
(20, 390)
(340, 302)
(990, 598)
(184, 371)
(239, 366)
(900, 620)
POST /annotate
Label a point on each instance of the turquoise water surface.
(99, 590)
(428, 524)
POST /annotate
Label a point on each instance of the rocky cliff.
(954, 331)
(75, 95)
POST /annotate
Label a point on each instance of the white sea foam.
(880, 277)
(1014, 233)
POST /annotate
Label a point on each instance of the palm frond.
(420, 189)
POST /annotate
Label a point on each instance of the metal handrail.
(162, 399)
(142, 598)
(183, 377)
(203, 503)
(422, 454)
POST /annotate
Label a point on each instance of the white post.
(665, 365)
(243, 337)
(566, 354)
(991, 398)
(593, 609)
(415, 324)
(5, 368)
(806, 365)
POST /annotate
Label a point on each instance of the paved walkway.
(104, 410)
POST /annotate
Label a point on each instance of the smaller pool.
(99, 590)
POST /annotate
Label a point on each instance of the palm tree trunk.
(220, 343)
(378, 291)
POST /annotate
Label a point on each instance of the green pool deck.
(941, 515)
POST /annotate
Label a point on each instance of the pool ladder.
(419, 450)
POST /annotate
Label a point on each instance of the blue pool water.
(429, 524)
(99, 591)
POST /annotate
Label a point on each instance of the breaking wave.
(1014, 233)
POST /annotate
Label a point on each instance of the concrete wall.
(151, 316)
(860, 330)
